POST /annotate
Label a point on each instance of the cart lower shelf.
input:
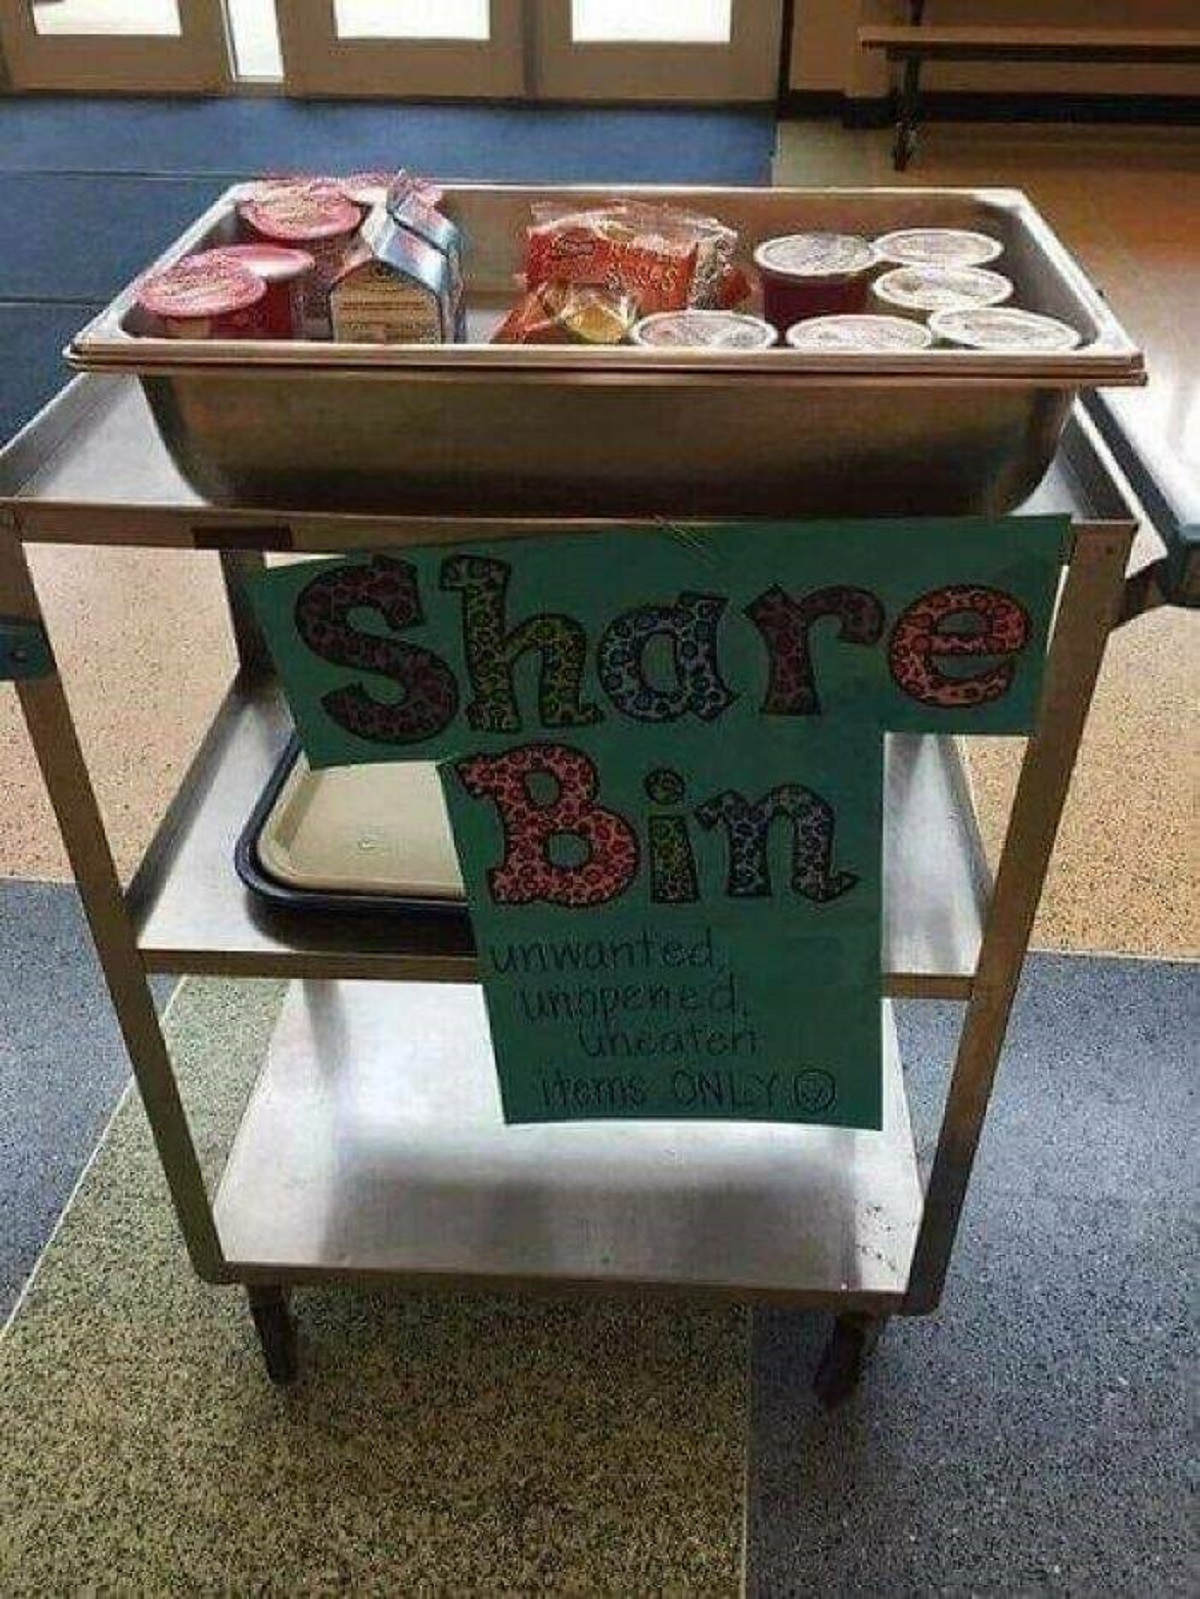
(373, 1146)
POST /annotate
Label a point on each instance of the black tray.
(286, 897)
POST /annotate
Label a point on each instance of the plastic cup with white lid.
(943, 247)
(699, 329)
(860, 335)
(919, 291)
(1003, 328)
(813, 274)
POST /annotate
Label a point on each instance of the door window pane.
(136, 17)
(413, 19)
(254, 30)
(663, 22)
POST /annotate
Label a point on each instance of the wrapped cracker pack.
(666, 258)
(568, 313)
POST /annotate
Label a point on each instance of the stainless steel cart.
(341, 1168)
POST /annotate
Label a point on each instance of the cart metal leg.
(276, 1330)
(1089, 605)
(846, 1356)
(908, 108)
(64, 770)
(908, 112)
(252, 652)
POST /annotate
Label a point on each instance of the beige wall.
(825, 55)
(822, 44)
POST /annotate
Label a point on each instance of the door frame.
(744, 69)
(316, 62)
(194, 61)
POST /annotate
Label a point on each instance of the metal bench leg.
(845, 1357)
(276, 1331)
(908, 112)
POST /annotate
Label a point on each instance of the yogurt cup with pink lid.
(300, 213)
(314, 217)
(1004, 328)
(941, 247)
(710, 330)
(919, 291)
(285, 274)
(205, 296)
(813, 274)
(366, 189)
(860, 335)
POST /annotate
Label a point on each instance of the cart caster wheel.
(845, 1357)
(276, 1332)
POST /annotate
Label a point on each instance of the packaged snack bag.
(666, 258)
(568, 313)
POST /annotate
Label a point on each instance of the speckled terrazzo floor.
(442, 1444)
(1037, 1435)
(1033, 1437)
(62, 1065)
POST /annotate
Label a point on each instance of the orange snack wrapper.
(666, 258)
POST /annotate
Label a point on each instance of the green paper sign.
(662, 757)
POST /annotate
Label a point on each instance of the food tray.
(534, 431)
(362, 838)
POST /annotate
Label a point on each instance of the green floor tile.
(467, 1444)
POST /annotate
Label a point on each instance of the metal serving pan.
(465, 428)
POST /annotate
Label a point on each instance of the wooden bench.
(917, 41)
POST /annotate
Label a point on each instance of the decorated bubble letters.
(662, 756)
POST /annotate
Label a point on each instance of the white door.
(619, 50)
(658, 49)
(406, 49)
(156, 45)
